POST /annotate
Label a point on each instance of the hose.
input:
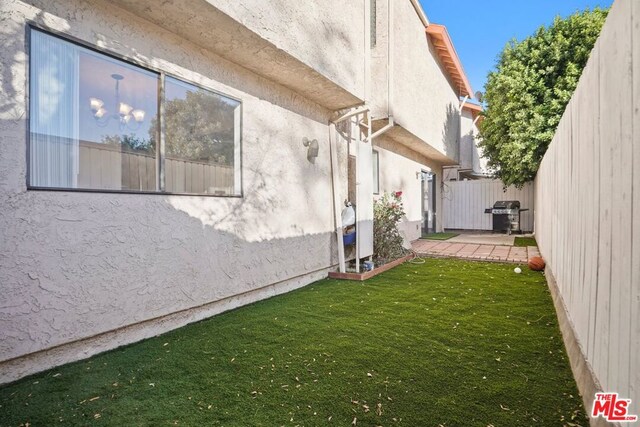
(416, 259)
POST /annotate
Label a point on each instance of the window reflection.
(94, 125)
(202, 144)
(118, 104)
(91, 119)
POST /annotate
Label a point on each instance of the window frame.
(160, 130)
(377, 182)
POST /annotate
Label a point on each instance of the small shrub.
(388, 211)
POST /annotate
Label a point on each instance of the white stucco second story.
(417, 79)
(315, 48)
(470, 153)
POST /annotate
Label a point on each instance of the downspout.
(464, 101)
(381, 130)
(390, 42)
(420, 12)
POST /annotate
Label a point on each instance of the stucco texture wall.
(400, 171)
(467, 140)
(73, 265)
(422, 99)
(470, 152)
(327, 35)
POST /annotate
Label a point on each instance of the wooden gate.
(464, 203)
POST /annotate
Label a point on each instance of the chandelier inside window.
(122, 111)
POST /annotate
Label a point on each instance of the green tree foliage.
(200, 127)
(527, 93)
(131, 142)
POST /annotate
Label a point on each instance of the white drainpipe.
(420, 12)
(381, 130)
(390, 50)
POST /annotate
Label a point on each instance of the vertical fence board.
(465, 201)
(634, 301)
(107, 167)
(587, 196)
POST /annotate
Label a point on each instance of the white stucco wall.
(422, 100)
(315, 48)
(470, 152)
(74, 265)
(471, 159)
(400, 171)
(467, 140)
(327, 35)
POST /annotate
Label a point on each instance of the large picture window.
(95, 124)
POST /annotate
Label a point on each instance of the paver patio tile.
(468, 249)
(484, 250)
(500, 253)
(518, 254)
(441, 246)
(453, 249)
(532, 251)
(424, 244)
(475, 251)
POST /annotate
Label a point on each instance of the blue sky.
(480, 28)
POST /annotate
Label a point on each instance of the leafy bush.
(527, 93)
(387, 241)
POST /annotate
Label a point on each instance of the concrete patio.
(476, 251)
(484, 238)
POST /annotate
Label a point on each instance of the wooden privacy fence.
(464, 203)
(108, 167)
(588, 206)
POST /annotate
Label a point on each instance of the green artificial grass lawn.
(525, 241)
(440, 236)
(448, 342)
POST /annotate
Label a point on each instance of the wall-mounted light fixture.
(312, 149)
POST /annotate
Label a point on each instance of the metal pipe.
(420, 12)
(381, 130)
(390, 50)
(334, 191)
(464, 101)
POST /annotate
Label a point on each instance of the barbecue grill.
(506, 215)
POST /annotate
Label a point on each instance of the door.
(428, 202)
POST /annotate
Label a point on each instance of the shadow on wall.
(79, 264)
(198, 59)
(131, 268)
(74, 265)
(329, 34)
(278, 200)
(13, 53)
(468, 151)
(478, 162)
(451, 132)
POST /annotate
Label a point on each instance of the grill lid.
(506, 204)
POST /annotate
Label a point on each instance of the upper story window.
(372, 23)
(95, 124)
(375, 158)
